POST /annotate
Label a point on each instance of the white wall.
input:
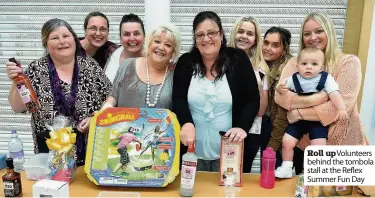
(368, 97)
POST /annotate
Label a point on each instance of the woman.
(214, 89)
(245, 35)
(317, 31)
(132, 33)
(276, 53)
(74, 86)
(147, 81)
(95, 44)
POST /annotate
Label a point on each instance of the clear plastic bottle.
(16, 151)
(188, 170)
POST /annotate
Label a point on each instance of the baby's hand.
(281, 87)
(342, 115)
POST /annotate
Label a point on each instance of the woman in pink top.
(317, 31)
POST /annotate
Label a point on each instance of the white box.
(50, 188)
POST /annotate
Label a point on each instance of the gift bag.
(61, 160)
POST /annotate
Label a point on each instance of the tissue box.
(50, 188)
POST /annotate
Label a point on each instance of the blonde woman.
(146, 82)
(246, 35)
(317, 31)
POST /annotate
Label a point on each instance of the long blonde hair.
(255, 52)
(332, 50)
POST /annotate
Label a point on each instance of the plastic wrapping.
(61, 159)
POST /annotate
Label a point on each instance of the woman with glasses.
(95, 44)
(245, 35)
(214, 89)
(65, 83)
(132, 34)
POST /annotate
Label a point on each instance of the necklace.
(148, 92)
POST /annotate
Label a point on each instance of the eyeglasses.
(95, 29)
(210, 34)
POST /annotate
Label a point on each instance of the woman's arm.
(348, 76)
(181, 83)
(180, 106)
(248, 87)
(109, 102)
(263, 103)
(15, 99)
(104, 86)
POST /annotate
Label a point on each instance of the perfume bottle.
(229, 177)
(26, 90)
(12, 181)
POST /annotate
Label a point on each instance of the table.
(206, 186)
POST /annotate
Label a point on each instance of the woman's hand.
(236, 135)
(281, 87)
(187, 134)
(342, 115)
(12, 69)
(294, 116)
(84, 125)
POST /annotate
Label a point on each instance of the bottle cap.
(230, 170)
(9, 162)
(191, 147)
(269, 153)
(14, 132)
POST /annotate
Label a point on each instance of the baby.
(309, 78)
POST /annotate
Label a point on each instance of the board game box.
(135, 147)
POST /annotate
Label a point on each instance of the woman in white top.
(246, 35)
(132, 33)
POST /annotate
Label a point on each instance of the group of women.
(219, 85)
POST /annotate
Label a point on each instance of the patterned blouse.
(93, 88)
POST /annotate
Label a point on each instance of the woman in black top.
(223, 68)
(95, 44)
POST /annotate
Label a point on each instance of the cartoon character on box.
(151, 139)
(125, 140)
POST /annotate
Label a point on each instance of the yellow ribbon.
(61, 140)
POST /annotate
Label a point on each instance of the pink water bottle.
(267, 176)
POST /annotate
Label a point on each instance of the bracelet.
(300, 114)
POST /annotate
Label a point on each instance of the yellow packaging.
(135, 147)
(329, 191)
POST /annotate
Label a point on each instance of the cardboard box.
(231, 156)
(133, 147)
(50, 188)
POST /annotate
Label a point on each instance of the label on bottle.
(12, 188)
(188, 170)
(24, 93)
(16, 155)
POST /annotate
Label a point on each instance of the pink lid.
(269, 153)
